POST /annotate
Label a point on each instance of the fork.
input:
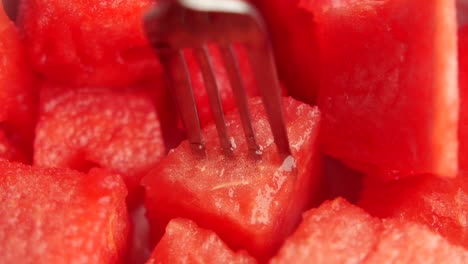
(174, 25)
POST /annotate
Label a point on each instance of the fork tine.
(181, 88)
(206, 66)
(264, 69)
(232, 68)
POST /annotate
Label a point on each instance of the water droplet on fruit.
(233, 143)
(289, 164)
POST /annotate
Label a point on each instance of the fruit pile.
(94, 167)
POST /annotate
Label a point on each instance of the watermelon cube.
(88, 42)
(185, 242)
(17, 88)
(61, 216)
(463, 81)
(388, 84)
(82, 128)
(440, 204)
(339, 232)
(336, 232)
(295, 43)
(405, 242)
(251, 204)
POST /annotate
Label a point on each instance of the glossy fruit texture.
(336, 232)
(406, 242)
(441, 204)
(17, 89)
(185, 242)
(251, 204)
(389, 96)
(81, 42)
(61, 216)
(339, 232)
(88, 127)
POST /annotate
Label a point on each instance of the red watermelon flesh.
(404, 242)
(61, 216)
(82, 128)
(185, 242)
(17, 87)
(463, 81)
(339, 232)
(336, 232)
(224, 86)
(82, 42)
(250, 204)
(441, 204)
(293, 34)
(389, 96)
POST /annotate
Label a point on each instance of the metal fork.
(174, 25)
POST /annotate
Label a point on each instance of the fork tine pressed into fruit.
(175, 25)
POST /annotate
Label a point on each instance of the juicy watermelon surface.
(440, 204)
(250, 204)
(371, 178)
(87, 127)
(346, 234)
(184, 241)
(85, 42)
(406, 242)
(37, 203)
(389, 96)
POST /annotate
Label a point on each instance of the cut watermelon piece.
(403, 242)
(224, 86)
(251, 204)
(17, 88)
(61, 216)
(441, 204)
(389, 96)
(336, 232)
(185, 242)
(82, 128)
(82, 42)
(293, 34)
(463, 80)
